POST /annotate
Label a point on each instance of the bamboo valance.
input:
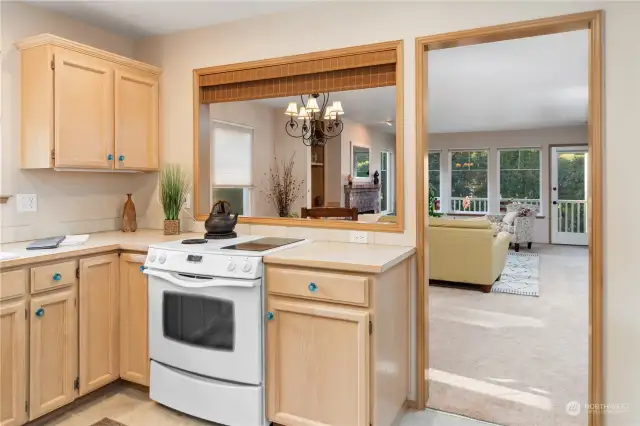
(299, 75)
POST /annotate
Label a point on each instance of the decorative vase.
(129, 223)
(376, 178)
(350, 179)
(171, 227)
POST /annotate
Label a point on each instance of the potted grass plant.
(174, 185)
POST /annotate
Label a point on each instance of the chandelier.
(315, 124)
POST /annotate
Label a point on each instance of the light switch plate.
(187, 201)
(358, 237)
(26, 202)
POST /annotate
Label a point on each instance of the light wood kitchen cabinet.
(319, 346)
(99, 306)
(134, 341)
(85, 108)
(13, 398)
(337, 345)
(52, 350)
(136, 120)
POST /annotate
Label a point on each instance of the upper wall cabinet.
(84, 108)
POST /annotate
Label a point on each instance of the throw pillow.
(509, 218)
(496, 228)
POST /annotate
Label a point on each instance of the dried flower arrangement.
(283, 189)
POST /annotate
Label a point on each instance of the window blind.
(232, 155)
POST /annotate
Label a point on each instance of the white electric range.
(206, 326)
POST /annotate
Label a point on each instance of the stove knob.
(152, 257)
(231, 267)
(162, 258)
(246, 267)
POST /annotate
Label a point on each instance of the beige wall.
(68, 202)
(365, 136)
(530, 138)
(270, 36)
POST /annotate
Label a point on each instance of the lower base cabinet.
(134, 341)
(326, 346)
(53, 351)
(13, 374)
(99, 305)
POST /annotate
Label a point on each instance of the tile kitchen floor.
(132, 407)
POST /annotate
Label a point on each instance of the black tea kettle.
(221, 221)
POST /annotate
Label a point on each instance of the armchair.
(519, 227)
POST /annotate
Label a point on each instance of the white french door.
(387, 204)
(569, 171)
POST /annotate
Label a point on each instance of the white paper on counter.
(74, 240)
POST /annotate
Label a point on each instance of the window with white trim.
(519, 176)
(434, 177)
(231, 165)
(469, 181)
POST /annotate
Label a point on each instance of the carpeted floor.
(510, 359)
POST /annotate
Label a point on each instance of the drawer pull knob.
(110, 157)
(142, 268)
(121, 158)
(57, 276)
(39, 312)
(312, 287)
(269, 316)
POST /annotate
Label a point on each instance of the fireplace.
(364, 196)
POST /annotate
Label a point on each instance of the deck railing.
(481, 205)
(572, 216)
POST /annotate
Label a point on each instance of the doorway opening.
(483, 163)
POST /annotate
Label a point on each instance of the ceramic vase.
(129, 223)
(171, 227)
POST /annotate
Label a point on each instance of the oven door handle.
(214, 282)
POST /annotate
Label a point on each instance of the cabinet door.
(12, 363)
(99, 314)
(317, 364)
(136, 115)
(83, 111)
(134, 341)
(53, 351)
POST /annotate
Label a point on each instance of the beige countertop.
(97, 243)
(317, 254)
(342, 256)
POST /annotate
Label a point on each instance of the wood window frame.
(340, 60)
(593, 22)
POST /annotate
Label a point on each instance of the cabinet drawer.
(46, 277)
(12, 284)
(351, 289)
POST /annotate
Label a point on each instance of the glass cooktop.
(262, 244)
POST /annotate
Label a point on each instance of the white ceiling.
(141, 18)
(371, 107)
(517, 84)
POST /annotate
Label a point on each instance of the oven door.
(207, 326)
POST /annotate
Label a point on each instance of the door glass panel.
(199, 320)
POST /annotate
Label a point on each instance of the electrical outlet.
(358, 237)
(187, 201)
(26, 202)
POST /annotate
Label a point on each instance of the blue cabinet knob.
(110, 157)
(142, 268)
(269, 316)
(39, 312)
(57, 276)
(121, 158)
(312, 287)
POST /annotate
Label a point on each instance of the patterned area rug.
(108, 422)
(520, 275)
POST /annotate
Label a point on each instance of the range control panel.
(215, 265)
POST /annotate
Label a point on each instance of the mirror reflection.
(323, 156)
